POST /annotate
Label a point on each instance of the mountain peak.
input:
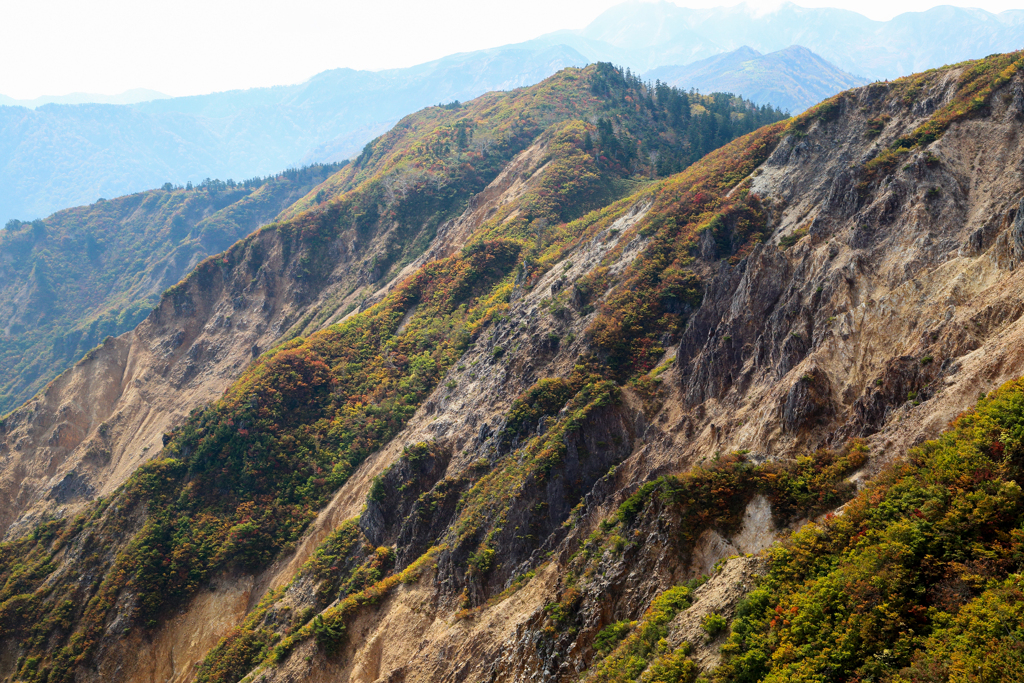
(793, 78)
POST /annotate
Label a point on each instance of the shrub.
(377, 490)
(329, 634)
(482, 562)
(786, 241)
(713, 624)
(611, 635)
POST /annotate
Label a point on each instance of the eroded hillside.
(518, 458)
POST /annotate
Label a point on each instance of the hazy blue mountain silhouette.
(646, 35)
(791, 79)
(133, 96)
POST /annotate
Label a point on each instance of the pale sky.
(185, 47)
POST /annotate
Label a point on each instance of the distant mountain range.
(645, 35)
(792, 79)
(61, 155)
(133, 96)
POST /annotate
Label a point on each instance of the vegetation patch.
(917, 580)
(631, 657)
(786, 241)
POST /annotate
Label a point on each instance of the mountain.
(133, 96)
(792, 79)
(58, 305)
(499, 410)
(69, 281)
(66, 155)
(646, 35)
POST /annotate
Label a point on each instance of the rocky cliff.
(531, 452)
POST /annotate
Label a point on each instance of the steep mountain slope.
(793, 79)
(518, 459)
(394, 200)
(83, 274)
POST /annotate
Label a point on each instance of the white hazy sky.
(185, 47)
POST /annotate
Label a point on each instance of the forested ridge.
(84, 274)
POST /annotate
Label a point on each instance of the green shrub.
(786, 241)
(330, 635)
(608, 638)
(482, 562)
(377, 490)
(713, 624)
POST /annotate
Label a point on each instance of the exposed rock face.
(878, 321)
(808, 402)
(895, 304)
(886, 321)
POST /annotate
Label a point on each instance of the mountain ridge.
(255, 133)
(519, 459)
(363, 195)
(87, 273)
(132, 96)
(208, 137)
(793, 79)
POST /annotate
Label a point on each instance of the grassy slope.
(918, 579)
